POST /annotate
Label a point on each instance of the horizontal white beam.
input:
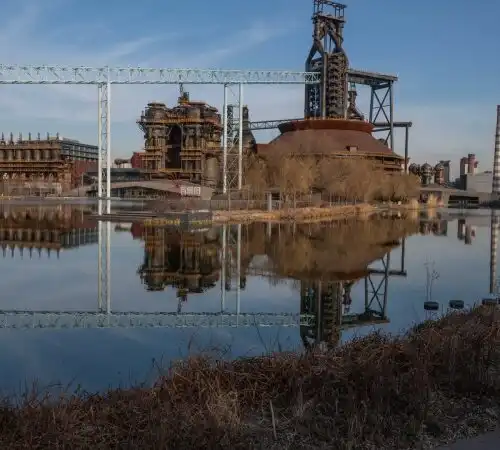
(15, 74)
(79, 319)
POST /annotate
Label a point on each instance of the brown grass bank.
(294, 214)
(314, 213)
(437, 383)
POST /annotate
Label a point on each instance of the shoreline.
(440, 385)
(313, 213)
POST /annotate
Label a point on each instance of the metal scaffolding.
(88, 319)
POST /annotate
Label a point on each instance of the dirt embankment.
(439, 382)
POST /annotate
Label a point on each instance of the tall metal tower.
(329, 98)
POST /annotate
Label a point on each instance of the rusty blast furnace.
(333, 127)
(183, 142)
(330, 98)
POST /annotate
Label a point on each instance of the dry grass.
(311, 214)
(294, 214)
(437, 383)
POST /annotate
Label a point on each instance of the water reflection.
(325, 261)
(312, 284)
(50, 228)
(187, 261)
(328, 261)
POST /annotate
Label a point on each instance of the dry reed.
(437, 383)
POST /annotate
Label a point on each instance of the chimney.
(496, 158)
(493, 252)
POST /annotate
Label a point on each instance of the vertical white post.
(240, 137)
(223, 269)
(99, 263)
(238, 274)
(224, 142)
(99, 144)
(99, 196)
(108, 149)
(108, 265)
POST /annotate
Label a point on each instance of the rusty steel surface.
(181, 141)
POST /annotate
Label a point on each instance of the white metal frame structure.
(232, 119)
(89, 319)
(231, 244)
(104, 77)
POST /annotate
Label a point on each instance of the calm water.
(168, 287)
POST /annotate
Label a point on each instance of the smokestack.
(493, 252)
(496, 158)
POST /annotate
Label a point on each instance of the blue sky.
(444, 53)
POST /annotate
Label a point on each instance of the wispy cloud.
(35, 37)
(49, 32)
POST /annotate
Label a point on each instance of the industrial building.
(446, 171)
(40, 166)
(183, 142)
(429, 175)
(468, 164)
(478, 182)
(332, 126)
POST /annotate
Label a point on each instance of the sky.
(443, 52)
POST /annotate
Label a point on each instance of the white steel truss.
(81, 319)
(230, 259)
(104, 77)
(231, 141)
(104, 140)
(104, 261)
(31, 74)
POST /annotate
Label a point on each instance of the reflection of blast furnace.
(323, 303)
(185, 260)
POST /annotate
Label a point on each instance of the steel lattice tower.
(327, 57)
